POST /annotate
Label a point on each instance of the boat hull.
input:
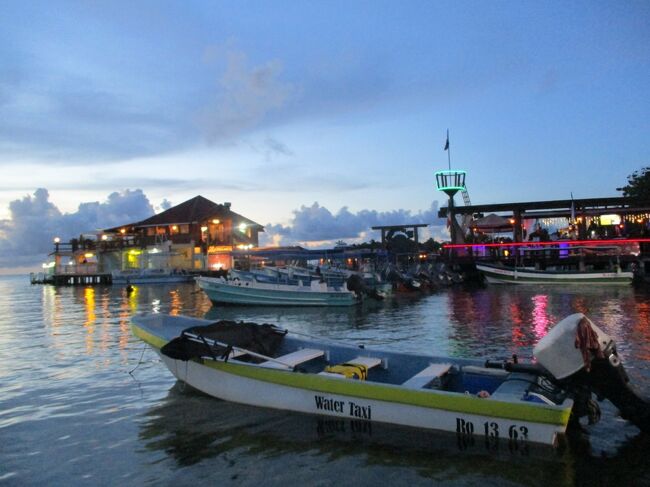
(221, 291)
(505, 275)
(376, 403)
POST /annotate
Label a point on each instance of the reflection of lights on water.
(176, 303)
(541, 320)
(89, 302)
(133, 298)
(51, 303)
(155, 306)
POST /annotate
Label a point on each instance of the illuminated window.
(610, 219)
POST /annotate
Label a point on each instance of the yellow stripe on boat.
(449, 401)
(149, 338)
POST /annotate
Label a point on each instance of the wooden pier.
(71, 279)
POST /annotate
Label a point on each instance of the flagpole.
(448, 151)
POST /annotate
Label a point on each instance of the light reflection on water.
(66, 396)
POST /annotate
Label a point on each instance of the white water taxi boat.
(249, 290)
(262, 365)
(499, 274)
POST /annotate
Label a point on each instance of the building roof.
(551, 208)
(195, 210)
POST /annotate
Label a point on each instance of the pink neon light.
(555, 242)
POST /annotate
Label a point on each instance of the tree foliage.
(638, 185)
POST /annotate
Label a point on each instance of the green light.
(450, 181)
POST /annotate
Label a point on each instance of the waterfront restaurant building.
(195, 235)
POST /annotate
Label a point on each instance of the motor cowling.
(580, 356)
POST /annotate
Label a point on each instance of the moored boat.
(500, 274)
(265, 366)
(249, 290)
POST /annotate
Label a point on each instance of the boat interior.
(411, 371)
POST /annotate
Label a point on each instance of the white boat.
(262, 365)
(499, 274)
(246, 288)
(150, 276)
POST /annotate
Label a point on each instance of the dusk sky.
(295, 110)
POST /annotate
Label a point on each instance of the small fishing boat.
(500, 274)
(150, 276)
(262, 365)
(249, 289)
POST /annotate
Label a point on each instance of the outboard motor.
(580, 357)
(355, 283)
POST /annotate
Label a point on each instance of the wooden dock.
(71, 279)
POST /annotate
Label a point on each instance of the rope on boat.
(139, 361)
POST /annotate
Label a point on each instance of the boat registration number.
(491, 430)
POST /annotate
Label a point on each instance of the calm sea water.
(82, 402)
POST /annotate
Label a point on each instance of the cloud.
(83, 117)
(26, 238)
(73, 119)
(245, 96)
(316, 223)
(100, 181)
(272, 147)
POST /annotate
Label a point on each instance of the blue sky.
(277, 105)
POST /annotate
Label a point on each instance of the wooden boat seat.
(357, 367)
(291, 360)
(368, 362)
(426, 376)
